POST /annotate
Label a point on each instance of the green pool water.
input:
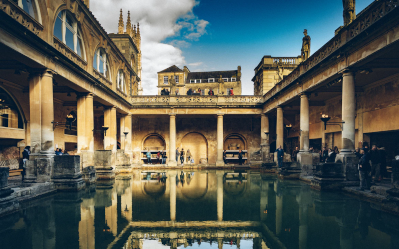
(199, 209)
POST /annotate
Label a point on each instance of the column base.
(104, 163)
(219, 164)
(86, 159)
(66, 173)
(305, 159)
(350, 165)
(39, 168)
(172, 163)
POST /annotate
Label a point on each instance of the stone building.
(95, 79)
(219, 81)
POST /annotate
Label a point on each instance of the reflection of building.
(185, 80)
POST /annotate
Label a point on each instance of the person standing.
(164, 157)
(280, 156)
(159, 156)
(25, 158)
(177, 154)
(182, 156)
(149, 157)
(375, 163)
(294, 154)
(364, 168)
(188, 156)
(240, 157)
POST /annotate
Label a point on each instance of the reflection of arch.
(154, 189)
(154, 141)
(197, 188)
(198, 146)
(11, 114)
(234, 188)
(235, 139)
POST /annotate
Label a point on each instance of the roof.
(212, 74)
(171, 69)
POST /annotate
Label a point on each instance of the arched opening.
(154, 141)
(154, 189)
(235, 141)
(198, 146)
(10, 115)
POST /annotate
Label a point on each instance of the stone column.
(265, 146)
(35, 112)
(280, 128)
(304, 123)
(346, 156)
(128, 139)
(172, 140)
(172, 194)
(110, 142)
(348, 112)
(304, 157)
(219, 176)
(47, 113)
(85, 120)
(219, 160)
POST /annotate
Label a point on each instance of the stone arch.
(153, 141)
(235, 139)
(6, 96)
(154, 189)
(198, 146)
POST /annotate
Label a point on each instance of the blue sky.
(209, 35)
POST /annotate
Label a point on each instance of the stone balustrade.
(202, 100)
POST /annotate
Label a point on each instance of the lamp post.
(288, 128)
(325, 118)
(68, 122)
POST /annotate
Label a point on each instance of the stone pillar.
(128, 138)
(85, 120)
(265, 146)
(304, 123)
(172, 194)
(41, 103)
(219, 160)
(172, 140)
(304, 157)
(280, 128)
(346, 156)
(110, 142)
(348, 112)
(219, 176)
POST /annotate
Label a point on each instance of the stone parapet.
(66, 173)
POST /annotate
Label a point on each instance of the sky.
(216, 35)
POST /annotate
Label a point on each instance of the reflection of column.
(86, 224)
(126, 204)
(304, 123)
(348, 112)
(303, 226)
(279, 208)
(280, 128)
(264, 200)
(110, 122)
(220, 243)
(172, 141)
(172, 194)
(111, 214)
(219, 176)
(219, 161)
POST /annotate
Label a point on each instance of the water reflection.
(205, 209)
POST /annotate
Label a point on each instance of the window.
(165, 79)
(121, 81)
(100, 63)
(177, 79)
(9, 113)
(233, 79)
(211, 80)
(66, 30)
(28, 6)
(225, 79)
(192, 81)
(197, 81)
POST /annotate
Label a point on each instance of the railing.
(286, 60)
(188, 99)
(14, 11)
(372, 14)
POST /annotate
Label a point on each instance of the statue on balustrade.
(349, 11)
(172, 83)
(221, 84)
(305, 51)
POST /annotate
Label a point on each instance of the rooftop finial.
(128, 24)
(138, 28)
(120, 24)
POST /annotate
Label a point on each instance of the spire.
(120, 24)
(128, 24)
(138, 29)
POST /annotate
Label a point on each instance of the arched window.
(66, 30)
(100, 63)
(28, 6)
(9, 113)
(121, 81)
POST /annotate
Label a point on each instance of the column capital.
(48, 73)
(220, 114)
(347, 72)
(172, 114)
(304, 94)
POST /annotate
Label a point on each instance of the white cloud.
(159, 19)
(195, 64)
